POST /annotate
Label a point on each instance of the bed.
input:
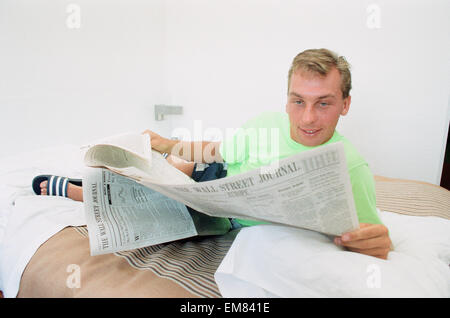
(44, 249)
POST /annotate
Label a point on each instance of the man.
(319, 84)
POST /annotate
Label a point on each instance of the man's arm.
(195, 151)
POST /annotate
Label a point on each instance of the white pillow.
(278, 261)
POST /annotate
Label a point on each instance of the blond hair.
(321, 61)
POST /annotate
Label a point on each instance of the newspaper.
(131, 155)
(123, 214)
(308, 190)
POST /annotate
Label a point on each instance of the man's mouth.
(310, 132)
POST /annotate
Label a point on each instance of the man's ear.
(347, 102)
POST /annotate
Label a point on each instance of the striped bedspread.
(189, 263)
(412, 198)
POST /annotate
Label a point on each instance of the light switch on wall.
(162, 110)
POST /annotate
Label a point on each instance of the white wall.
(228, 60)
(224, 61)
(70, 85)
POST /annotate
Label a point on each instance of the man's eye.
(298, 102)
(323, 104)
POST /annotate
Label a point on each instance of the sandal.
(56, 186)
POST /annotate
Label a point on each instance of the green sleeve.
(363, 187)
(234, 149)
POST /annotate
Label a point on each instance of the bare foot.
(74, 192)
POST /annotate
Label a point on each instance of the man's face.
(314, 106)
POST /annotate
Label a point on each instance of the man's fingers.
(365, 243)
(369, 239)
(366, 231)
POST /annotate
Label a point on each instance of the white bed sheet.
(28, 220)
(277, 261)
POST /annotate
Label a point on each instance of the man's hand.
(369, 239)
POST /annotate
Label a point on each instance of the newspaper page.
(122, 214)
(309, 190)
(132, 156)
(132, 142)
(129, 154)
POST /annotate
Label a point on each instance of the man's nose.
(309, 115)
